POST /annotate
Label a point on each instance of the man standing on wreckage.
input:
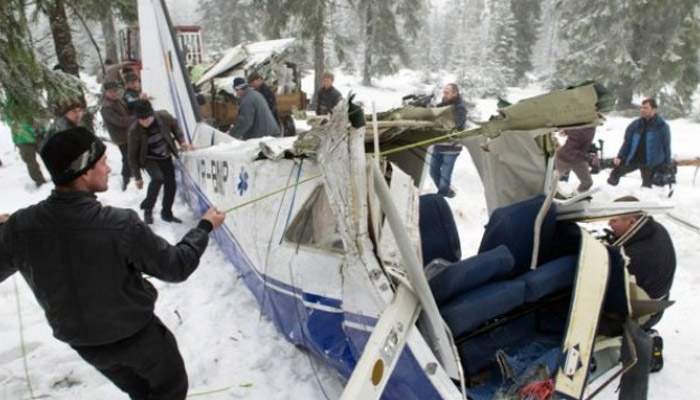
(85, 264)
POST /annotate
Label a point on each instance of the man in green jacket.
(25, 138)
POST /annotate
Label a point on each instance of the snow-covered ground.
(225, 342)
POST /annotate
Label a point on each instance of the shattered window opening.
(315, 224)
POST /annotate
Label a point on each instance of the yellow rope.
(464, 133)
(270, 194)
(21, 340)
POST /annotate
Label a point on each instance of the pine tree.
(645, 47)
(527, 14)
(388, 27)
(502, 41)
(229, 22)
(24, 80)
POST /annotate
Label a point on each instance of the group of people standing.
(257, 108)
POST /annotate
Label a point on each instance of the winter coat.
(117, 120)
(652, 258)
(326, 100)
(658, 142)
(61, 124)
(270, 98)
(84, 262)
(138, 140)
(577, 145)
(22, 132)
(459, 110)
(254, 119)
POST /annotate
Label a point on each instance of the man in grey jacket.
(117, 121)
(255, 120)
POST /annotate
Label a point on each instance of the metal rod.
(437, 335)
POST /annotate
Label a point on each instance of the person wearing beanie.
(254, 120)
(132, 91)
(117, 120)
(151, 144)
(255, 80)
(85, 262)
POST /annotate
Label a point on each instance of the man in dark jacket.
(256, 82)
(254, 119)
(647, 146)
(151, 144)
(652, 262)
(327, 96)
(117, 121)
(573, 156)
(650, 250)
(445, 155)
(85, 264)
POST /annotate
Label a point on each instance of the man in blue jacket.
(647, 146)
(445, 154)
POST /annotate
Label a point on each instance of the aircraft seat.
(549, 278)
(479, 305)
(513, 226)
(438, 231)
(470, 273)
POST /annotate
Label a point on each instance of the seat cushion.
(475, 271)
(513, 226)
(477, 306)
(549, 278)
(438, 232)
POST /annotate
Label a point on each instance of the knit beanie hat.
(68, 154)
(142, 109)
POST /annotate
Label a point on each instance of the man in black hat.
(117, 121)
(151, 144)
(85, 264)
(255, 120)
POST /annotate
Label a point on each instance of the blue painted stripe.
(322, 332)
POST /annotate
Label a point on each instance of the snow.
(225, 342)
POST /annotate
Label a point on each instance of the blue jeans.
(441, 167)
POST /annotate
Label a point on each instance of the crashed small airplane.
(330, 233)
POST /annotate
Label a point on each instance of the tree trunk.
(369, 36)
(319, 59)
(110, 35)
(62, 40)
(624, 95)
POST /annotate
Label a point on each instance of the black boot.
(657, 354)
(148, 216)
(169, 217)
